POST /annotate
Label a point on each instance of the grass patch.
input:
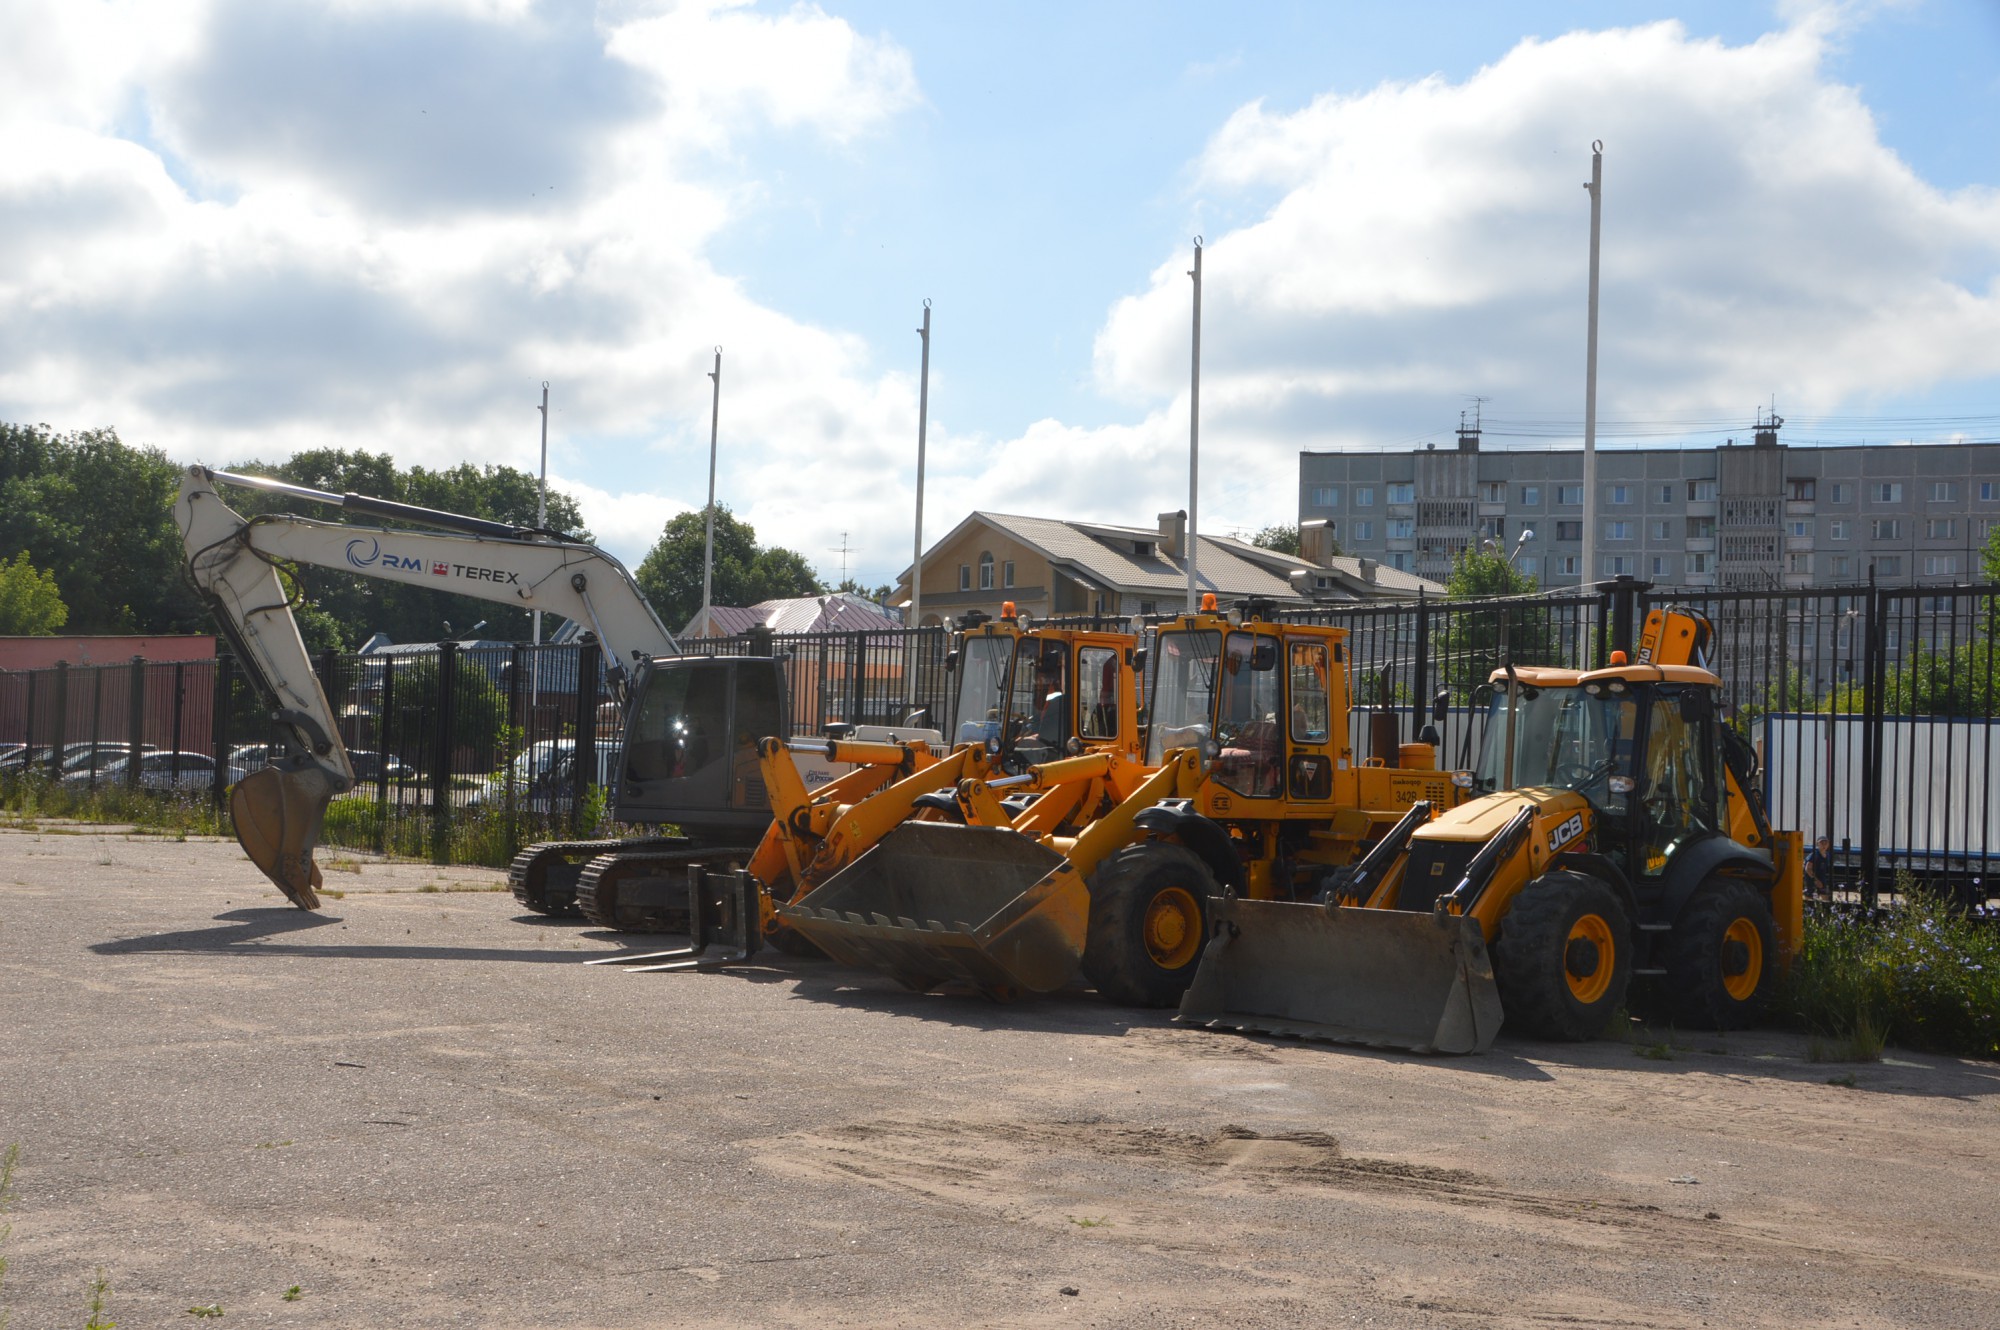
(30, 797)
(100, 1290)
(1927, 976)
(1089, 1223)
(292, 1294)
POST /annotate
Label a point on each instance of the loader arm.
(234, 562)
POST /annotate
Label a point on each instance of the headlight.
(1462, 779)
(993, 745)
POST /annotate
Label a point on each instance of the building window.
(1326, 496)
(1667, 495)
(1888, 491)
(985, 571)
(1701, 491)
(1402, 494)
(1493, 491)
(1493, 528)
(1364, 496)
(1148, 607)
(1618, 565)
(1940, 565)
(1941, 528)
(1569, 531)
(1886, 528)
(1663, 530)
(1618, 531)
(1566, 565)
(1889, 565)
(1837, 529)
(1701, 528)
(1802, 528)
(1531, 496)
(1801, 491)
(1007, 573)
(1943, 491)
(1402, 528)
(1798, 563)
(1571, 495)
(1364, 531)
(1699, 563)
(1621, 494)
(1659, 565)
(1400, 560)
(1843, 566)
(1987, 490)
(1530, 564)
(965, 577)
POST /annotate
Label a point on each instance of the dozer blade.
(933, 902)
(1384, 978)
(277, 815)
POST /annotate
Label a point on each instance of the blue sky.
(234, 230)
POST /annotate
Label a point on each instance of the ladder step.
(1656, 928)
(1650, 970)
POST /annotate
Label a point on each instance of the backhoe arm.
(234, 561)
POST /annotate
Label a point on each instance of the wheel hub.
(1580, 957)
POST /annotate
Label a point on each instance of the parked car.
(370, 765)
(162, 771)
(79, 757)
(544, 777)
(250, 756)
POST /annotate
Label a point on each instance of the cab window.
(1097, 693)
(1249, 756)
(1307, 674)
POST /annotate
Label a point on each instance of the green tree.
(1469, 644)
(31, 605)
(1284, 538)
(745, 572)
(1990, 558)
(879, 594)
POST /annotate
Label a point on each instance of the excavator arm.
(234, 562)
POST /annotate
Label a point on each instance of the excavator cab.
(690, 756)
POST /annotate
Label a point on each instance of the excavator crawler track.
(641, 886)
(544, 876)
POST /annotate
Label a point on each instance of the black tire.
(1148, 921)
(1555, 981)
(1722, 958)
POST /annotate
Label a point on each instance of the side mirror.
(1136, 658)
(1263, 656)
(1441, 705)
(951, 661)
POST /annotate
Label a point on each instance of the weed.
(340, 863)
(1845, 1078)
(337, 895)
(99, 1287)
(205, 1312)
(1090, 1223)
(1858, 1040)
(1927, 972)
(292, 1294)
(8, 1159)
(1659, 1050)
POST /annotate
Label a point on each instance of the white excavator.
(692, 723)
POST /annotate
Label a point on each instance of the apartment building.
(1757, 514)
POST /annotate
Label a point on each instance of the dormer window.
(1143, 548)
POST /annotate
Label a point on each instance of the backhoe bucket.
(1403, 979)
(277, 815)
(933, 902)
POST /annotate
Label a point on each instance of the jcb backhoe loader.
(1250, 782)
(691, 723)
(1613, 835)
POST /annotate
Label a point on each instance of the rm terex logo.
(368, 554)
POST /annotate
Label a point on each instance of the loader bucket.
(277, 815)
(933, 902)
(1403, 979)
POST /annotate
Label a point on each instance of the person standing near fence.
(1819, 869)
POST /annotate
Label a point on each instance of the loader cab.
(1036, 696)
(691, 745)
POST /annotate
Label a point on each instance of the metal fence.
(1872, 708)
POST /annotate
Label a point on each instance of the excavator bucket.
(934, 902)
(277, 815)
(1414, 980)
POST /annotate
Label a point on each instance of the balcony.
(1799, 543)
(1798, 507)
(1700, 544)
(1701, 508)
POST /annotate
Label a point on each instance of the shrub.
(1927, 976)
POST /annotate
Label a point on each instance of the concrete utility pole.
(542, 498)
(917, 565)
(1194, 437)
(708, 547)
(1596, 188)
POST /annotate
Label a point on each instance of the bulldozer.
(1612, 837)
(1248, 782)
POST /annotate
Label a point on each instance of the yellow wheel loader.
(1248, 783)
(1612, 837)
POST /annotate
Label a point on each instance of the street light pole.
(1596, 188)
(917, 566)
(542, 495)
(708, 545)
(1194, 438)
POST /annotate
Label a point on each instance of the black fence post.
(513, 744)
(383, 720)
(28, 738)
(1421, 668)
(180, 680)
(135, 722)
(857, 654)
(61, 737)
(219, 731)
(587, 668)
(1872, 705)
(441, 765)
(96, 718)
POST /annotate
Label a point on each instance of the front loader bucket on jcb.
(1405, 979)
(932, 902)
(277, 815)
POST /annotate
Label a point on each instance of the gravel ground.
(418, 1108)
